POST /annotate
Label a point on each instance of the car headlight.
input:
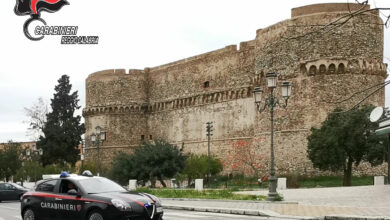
(121, 205)
(158, 201)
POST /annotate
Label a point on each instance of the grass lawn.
(250, 183)
(219, 191)
(333, 181)
(205, 194)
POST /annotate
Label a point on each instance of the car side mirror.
(73, 192)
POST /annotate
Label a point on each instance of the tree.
(197, 167)
(62, 131)
(32, 171)
(152, 161)
(123, 168)
(9, 160)
(36, 118)
(244, 157)
(344, 139)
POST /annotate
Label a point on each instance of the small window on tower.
(142, 137)
(206, 84)
(150, 137)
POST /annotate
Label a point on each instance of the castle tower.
(117, 102)
(325, 58)
(328, 56)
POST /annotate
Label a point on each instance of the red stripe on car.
(49, 195)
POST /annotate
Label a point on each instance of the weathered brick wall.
(324, 63)
(224, 69)
(116, 101)
(116, 88)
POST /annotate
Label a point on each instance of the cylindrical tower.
(328, 55)
(116, 102)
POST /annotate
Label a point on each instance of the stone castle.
(325, 59)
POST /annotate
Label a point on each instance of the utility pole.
(388, 162)
(209, 129)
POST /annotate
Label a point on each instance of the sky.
(132, 35)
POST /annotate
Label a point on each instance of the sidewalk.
(364, 202)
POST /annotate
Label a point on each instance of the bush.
(197, 167)
(238, 181)
(151, 161)
(33, 170)
(91, 166)
(205, 194)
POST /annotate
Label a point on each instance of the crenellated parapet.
(343, 66)
(170, 105)
(134, 108)
(201, 99)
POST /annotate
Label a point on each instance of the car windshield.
(18, 186)
(100, 185)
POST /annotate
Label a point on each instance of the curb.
(355, 217)
(227, 200)
(268, 213)
(250, 212)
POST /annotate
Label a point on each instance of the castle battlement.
(231, 49)
(327, 8)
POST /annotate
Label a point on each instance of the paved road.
(10, 211)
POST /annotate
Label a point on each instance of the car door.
(19, 192)
(9, 191)
(47, 200)
(2, 191)
(70, 206)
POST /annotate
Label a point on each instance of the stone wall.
(326, 61)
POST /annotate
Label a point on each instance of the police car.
(87, 197)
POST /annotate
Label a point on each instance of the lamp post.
(271, 102)
(97, 139)
(82, 157)
(22, 180)
(209, 129)
(30, 154)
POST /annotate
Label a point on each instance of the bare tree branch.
(36, 115)
(357, 93)
(344, 19)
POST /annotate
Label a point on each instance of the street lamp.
(82, 157)
(97, 139)
(271, 101)
(209, 129)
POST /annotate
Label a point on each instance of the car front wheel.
(29, 215)
(158, 217)
(95, 215)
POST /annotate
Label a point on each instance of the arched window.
(313, 70)
(332, 68)
(341, 68)
(322, 68)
